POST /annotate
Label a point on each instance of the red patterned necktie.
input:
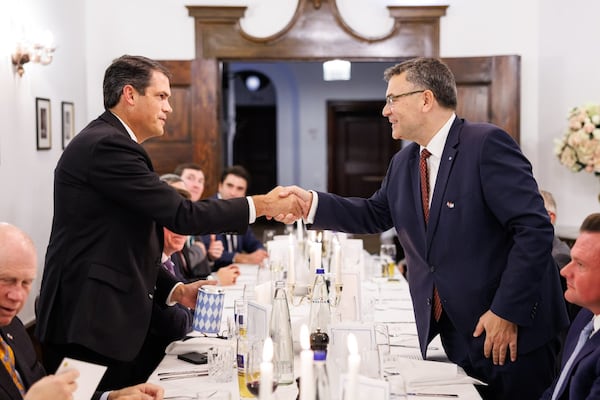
(424, 171)
(8, 359)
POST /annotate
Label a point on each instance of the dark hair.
(591, 223)
(236, 170)
(129, 70)
(428, 73)
(179, 169)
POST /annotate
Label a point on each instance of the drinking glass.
(387, 252)
(378, 276)
(255, 351)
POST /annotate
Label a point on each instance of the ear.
(129, 94)
(428, 100)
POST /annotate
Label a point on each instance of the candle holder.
(338, 294)
(297, 300)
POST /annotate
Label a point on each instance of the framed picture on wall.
(42, 119)
(68, 122)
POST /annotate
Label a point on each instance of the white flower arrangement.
(579, 148)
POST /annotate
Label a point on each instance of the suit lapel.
(6, 382)
(446, 163)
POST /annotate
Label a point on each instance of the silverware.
(184, 376)
(192, 371)
(420, 394)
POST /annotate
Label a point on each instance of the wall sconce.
(337, 70)
(38, 51)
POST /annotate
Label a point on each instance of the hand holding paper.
(89, 376)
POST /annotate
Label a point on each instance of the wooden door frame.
(220, 38)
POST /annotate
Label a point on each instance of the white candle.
(307, 380)
(299, 230)
(353, 366)
(265, 390)
(291, 273)
(315, 257)
(337, 261)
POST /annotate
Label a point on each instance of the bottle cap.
(319, 340)
(320, 271)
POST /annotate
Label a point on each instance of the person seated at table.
(190, 262)
(242, 249)
(580, 373)
(22, 376)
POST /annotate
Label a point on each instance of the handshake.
(284, 204)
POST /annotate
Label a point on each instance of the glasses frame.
(389, 100)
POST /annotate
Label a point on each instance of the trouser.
(526, 378)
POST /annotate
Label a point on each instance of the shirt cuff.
(104, 396)
(170, 302)
(251, 209)
(313, 208)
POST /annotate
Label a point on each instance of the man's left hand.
(500, 337)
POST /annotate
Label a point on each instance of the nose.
(168, 109)
(17, 294)
(386, 110)
(566, 269)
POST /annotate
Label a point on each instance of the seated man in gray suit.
(24, 377)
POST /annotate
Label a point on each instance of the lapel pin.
(450, 158)
(450, 204)
(8, 335)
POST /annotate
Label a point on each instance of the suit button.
(150, 296)
(432, 268)
(428, 301)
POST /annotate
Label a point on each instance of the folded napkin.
(199, 344)
(418, 374)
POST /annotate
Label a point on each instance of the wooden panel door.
(360, 145)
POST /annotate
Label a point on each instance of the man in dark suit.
(580, 370)
(476, 236)
(24, 377)
(244, 248)
(102, 269)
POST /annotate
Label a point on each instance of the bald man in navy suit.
(476, 236)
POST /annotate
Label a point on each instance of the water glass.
(221, 363)
(387, 252)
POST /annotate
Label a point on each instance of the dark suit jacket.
(30, 369)
(584, 381)
(102, 268)
(488, 241)
(26, 361)
(246, 243)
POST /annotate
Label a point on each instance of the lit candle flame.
(352, 344)
(304, 337)
(268, 350)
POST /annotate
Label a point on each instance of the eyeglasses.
(389, 100)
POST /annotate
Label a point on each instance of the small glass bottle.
(322, 390)
(242, 349)
(281, 334)
(320, 313)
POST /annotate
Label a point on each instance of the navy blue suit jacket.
(488, 242)
(584, 380)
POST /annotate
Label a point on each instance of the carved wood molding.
(316, 32)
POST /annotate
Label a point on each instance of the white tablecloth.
(394, 309)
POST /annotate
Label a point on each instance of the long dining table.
(387, 303)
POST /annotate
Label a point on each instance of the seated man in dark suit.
(580, 368)
(242, 249)
(24, 377)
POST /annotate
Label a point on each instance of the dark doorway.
(255, 146)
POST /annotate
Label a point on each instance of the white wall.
(556, 40)
(26, 174)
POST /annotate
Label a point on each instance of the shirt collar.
(127, 128)
(596, 323)
(164, 258)
(438, 141)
